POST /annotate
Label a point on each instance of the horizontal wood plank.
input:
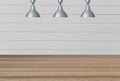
(78, 68)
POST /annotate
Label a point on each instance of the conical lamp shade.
(88, 12)
(60, 12)
(32, 12)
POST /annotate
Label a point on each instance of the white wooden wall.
(48, 35)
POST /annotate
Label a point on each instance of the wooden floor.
(59, 68)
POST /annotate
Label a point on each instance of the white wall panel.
(71, 20)
(58, 45)
(68, 28)
(53, 2)
(48, 35)
(77, 10)
(61, 36)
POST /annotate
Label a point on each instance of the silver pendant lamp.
(87, 12)
(32, 12)
(60, 12)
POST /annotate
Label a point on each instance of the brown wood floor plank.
(59, 68)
